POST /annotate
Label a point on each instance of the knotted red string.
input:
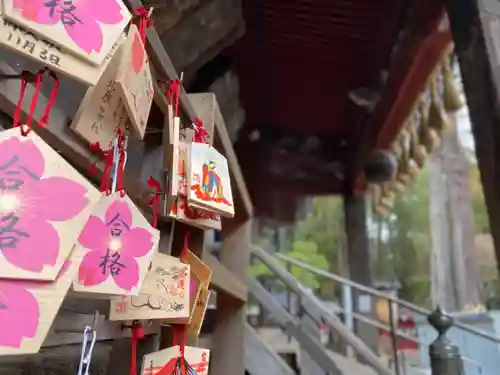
(95, 148)
(137, 334)
(44, 120)
(154, 202)
(144, 22)
(105, 186)
(27, 77)
(186, 246)
(121, 162)
(107, 156)
(199, 132)
(173, 93)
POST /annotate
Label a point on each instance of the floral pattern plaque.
(134, 81)
(37, 232)
(118, 244)
(86, 28)
(28, 309)
(46, 53)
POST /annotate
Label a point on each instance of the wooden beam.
(56, 361)
(226, 88)
(211, 53)
(190, 38)
(59, 136)
(475, 26)
(407, 74)
(168, 14)
(68, 329)
(224, 280)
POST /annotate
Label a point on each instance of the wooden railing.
(319, 314)
(445, 358)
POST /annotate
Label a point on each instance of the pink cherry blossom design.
(26, 225)
(193, 286)
(19, 314)
(101, 262)
(137, 54)
(19, 310)
(80, 18)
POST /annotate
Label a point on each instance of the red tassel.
(144, 22)
(200, 132)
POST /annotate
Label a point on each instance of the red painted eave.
(299, 60)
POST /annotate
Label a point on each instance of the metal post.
(445, 357)
(289, 298)
(347, 306)
(394, 339)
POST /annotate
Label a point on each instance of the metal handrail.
(377, 293)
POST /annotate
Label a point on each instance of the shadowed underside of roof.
(300, 58)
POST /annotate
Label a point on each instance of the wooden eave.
(415, 59)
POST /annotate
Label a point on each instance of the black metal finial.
(440, 320)
(444, 355)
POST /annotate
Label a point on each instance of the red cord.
(17, 113)
(155, 199)
(186, 246)
(180, 337)
(95, 148)
(121, 162)
(107, 156)
(106, 176)
(52, 99)
(137, 334)
(25, 76)
(173, 93)
(144, 22)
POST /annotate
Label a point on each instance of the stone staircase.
(296, 333)
(300, 337)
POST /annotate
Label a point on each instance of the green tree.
(304, 251)
(404, 248)
(325, 227)
(307, 252)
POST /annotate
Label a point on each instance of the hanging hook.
(89, 335)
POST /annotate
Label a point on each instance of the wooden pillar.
(228, 338)
(475, 26)
(359, 264)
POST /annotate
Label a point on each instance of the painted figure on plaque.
(210, 188)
